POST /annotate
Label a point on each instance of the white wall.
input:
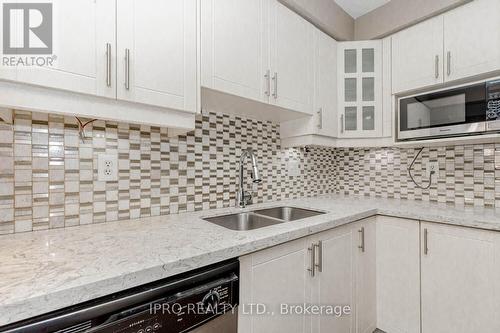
(399, 14)
(326, 15)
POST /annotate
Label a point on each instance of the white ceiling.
(357, 8)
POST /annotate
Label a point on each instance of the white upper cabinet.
(292, 52)
(472, 39)
(157, 53)
(360, 89)
(235, 47)
(83, 49)
(324, 120)
(417, 56)
(325, 84)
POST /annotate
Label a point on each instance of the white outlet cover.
(107, 167)
(432, 166)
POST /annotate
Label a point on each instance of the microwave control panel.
(493, 102)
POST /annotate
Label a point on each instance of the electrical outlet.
(293, 168)
(432, 167)
(107, 167)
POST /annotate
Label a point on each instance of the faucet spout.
(244, 198)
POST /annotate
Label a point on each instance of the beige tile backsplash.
(48, 176)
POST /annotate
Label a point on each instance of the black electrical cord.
(411, 176)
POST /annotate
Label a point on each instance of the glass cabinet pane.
(350, 61)
(350, 90)
(368, 118)
(368, 89)
(351, 118)
(368, 56)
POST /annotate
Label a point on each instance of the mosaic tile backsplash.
(468, 175)
(48, 175)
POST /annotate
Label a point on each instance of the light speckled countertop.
(48, 270)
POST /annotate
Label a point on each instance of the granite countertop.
(48, 270)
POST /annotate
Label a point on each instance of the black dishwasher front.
(202, 301)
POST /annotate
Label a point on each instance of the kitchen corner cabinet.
(156, 53)
(335, 267)
(398, 275)
(259, 50)
(84, 49)
(360, 90)
(460, 269)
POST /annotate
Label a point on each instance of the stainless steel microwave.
(468, 110)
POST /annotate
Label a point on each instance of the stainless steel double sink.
(262, 218)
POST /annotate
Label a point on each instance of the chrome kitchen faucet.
(244, 198)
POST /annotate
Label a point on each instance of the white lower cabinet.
(398, 275)
(460, 279)
(334, 284)
(329, 269)
(273, 277)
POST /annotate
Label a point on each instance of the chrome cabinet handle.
(127, 69)
(362, 236)
(448, 63)
(319, 265)
(312, 266)
(342, 124)
(436, 66)
(275, 80)
(320, 118)
(267, 76)
(426, 241)
(108, 64)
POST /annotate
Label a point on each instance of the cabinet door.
(324, 120)
(83, 33)
(472, 39)
(398, 275)
(291, 59)
(365, 259)
(157, 52)
(334, 284)
(459, 280)
(273, 277)
(325, 84)
(417, 56)
(360, 89)
(235, 47)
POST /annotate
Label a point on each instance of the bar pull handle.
(426, 241)
(127, 69)
(108, 64)
(320, 118)
(312, 266)
(319, 265)
(267, 76)
(342, 124)
(275, 80)
(448, 63)
(362, 239)
(436, 68)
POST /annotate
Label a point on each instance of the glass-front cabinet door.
(360, 89)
